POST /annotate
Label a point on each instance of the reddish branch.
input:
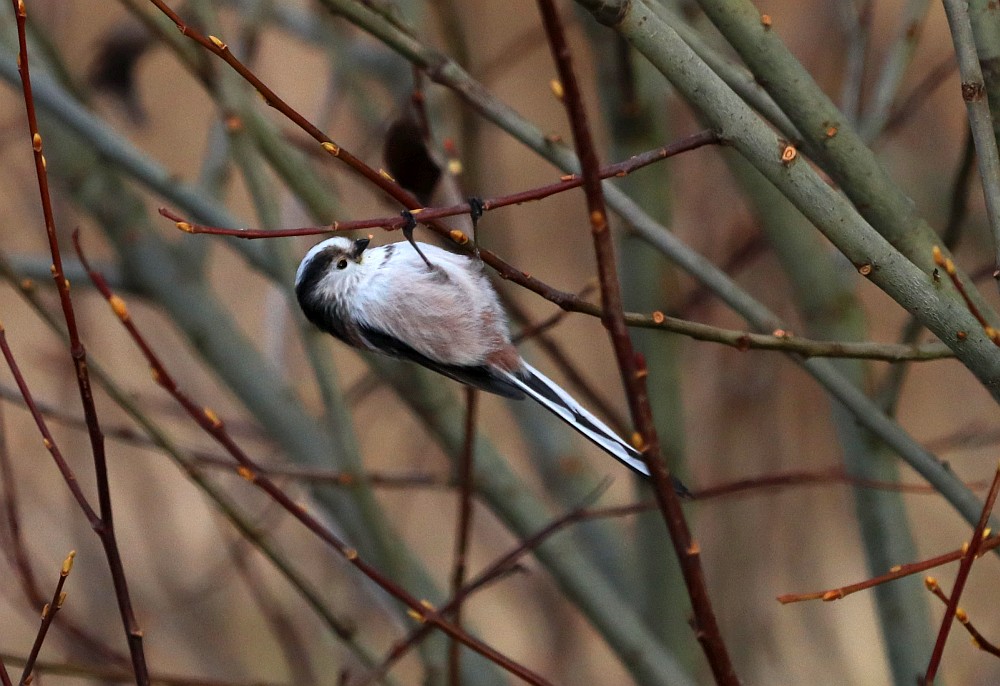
(431, 215)
(964, 568)
(15, 549)
(61, 464)
(948, 265)
(897, 572)
(210, 422)
(48, 616)
(101, 521)
(967, 554)
(632, 368)
(978, 639)
(205, 459)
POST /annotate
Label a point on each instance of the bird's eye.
(342, 264)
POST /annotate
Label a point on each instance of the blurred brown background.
(207, 602)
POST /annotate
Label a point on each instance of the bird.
(419, 302)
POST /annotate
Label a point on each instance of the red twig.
(742, 340)
(425, 480)
(67, 472)
(48, 616)
(978, 639)
(897, 572)
(632, 369)
(430, 215)
(210, 422)
(964, 568)
(102, 523)
(16, 550)
(948, 265)
(199, 459)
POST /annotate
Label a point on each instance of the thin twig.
(948, 265)
(832, 475)
(897, 572)
(67, 472)
(48, 616)
(210, 460)
(428, 215)
(15, 548)
(971, 435)
(103, 524)
(332, 477)
(632, 369)
(970, 552)
(962, 616)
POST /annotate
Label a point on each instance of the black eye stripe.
(317, 267)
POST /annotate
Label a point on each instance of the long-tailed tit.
(442, 313)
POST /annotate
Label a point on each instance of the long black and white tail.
(546, 392)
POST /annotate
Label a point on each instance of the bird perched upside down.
(437, 309)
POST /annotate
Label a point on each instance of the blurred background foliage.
(135, 117)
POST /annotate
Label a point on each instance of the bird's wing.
(447, 313)
(481, 377)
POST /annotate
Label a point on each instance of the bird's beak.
(360, 245)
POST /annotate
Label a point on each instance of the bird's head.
(330, 261)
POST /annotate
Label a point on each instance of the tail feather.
(547, 393)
